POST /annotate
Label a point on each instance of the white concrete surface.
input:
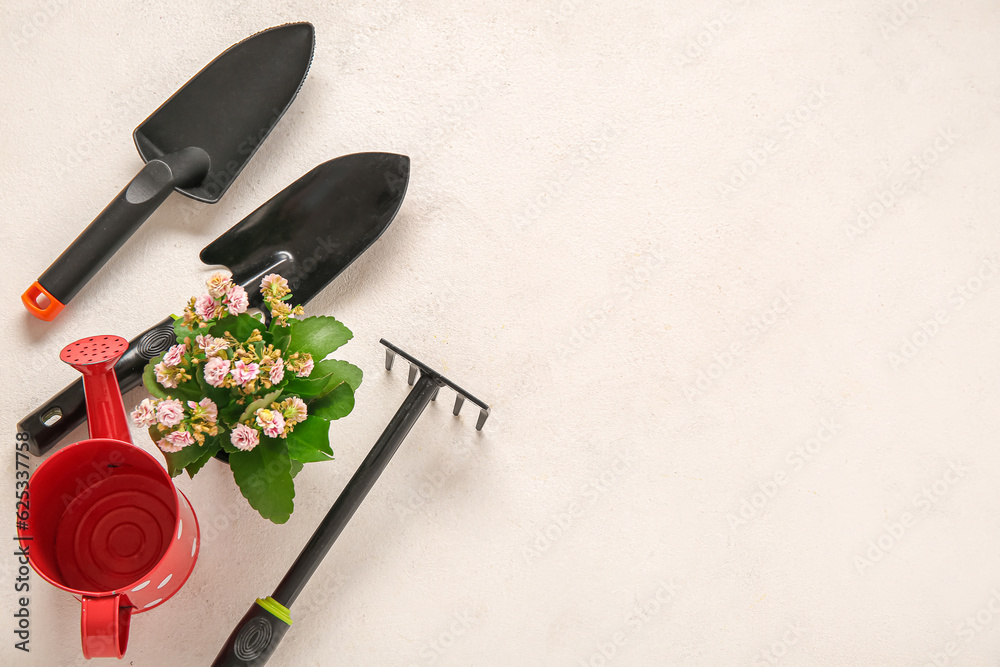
(727, 272)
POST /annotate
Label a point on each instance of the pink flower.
(216, 370)
(205, 307)
(218, 284)
(274, 283)
(164, 377)
(277, 371)
(295, 410)
(306, 368)
(210, 345)
(244, 372)
(170, 412)
(144, 414)
(271, 422)
(206, 409)
(244, 438)
(210, 408)
(175, 441)
(236, 300)
(174, 355)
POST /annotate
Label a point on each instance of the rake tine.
(438, 380)
(483, 414)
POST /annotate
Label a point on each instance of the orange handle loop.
(52, 306)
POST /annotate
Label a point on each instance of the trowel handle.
(105, 235)
(62, 413)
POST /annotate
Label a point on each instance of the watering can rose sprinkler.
(251, 393)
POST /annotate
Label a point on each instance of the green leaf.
(310, 388)
(186, 391)
(149, 379)
(221, 396)
(280, 336)
(264, 476)
(240, 326)
(325, 377)
(338, 403)
(351, 374)
(310, 441)
(227, 444)
(227, 323)
(319, 336)
(211, 447)
(260, 403)
(181, 332)
(296, 467)
(230, 414)
(177, 461)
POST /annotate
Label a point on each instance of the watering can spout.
(95, 357)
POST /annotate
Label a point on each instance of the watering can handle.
(104, 624)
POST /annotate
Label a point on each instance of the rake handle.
(258, 633)
(354, 493)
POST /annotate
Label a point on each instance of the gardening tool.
(309, 232)
(257, 634)
(196, 143)
(107, 524)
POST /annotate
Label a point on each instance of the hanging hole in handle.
(41, 303)
(52, 416)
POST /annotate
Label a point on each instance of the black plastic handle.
(253, 640)
(105, 235)
(62, 413)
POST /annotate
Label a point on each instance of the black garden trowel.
(309, 233)
(196, 143)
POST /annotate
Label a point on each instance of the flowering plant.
(263, 394)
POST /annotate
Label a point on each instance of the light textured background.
(633, 227)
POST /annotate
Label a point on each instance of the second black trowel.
(196, 143)
(323, 220)
(309, 233)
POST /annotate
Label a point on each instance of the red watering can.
(107, 523)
